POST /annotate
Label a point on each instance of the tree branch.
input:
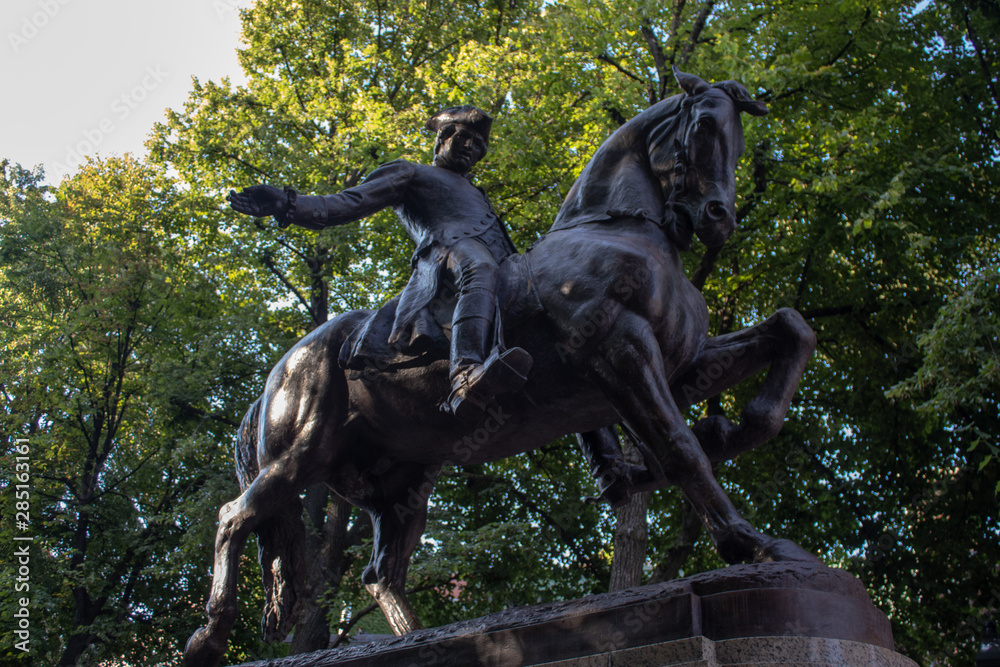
(531, 504)
(292, 78)
(670, 565)
(699, 25)
(983, 62)
(295, 251)
(705, 267)
(675, 24)
(658, 58)
(802, 280)
(611, 61)
(188, 409)
(243, 162)
(269, 263)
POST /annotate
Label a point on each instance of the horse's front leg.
(617, 478)
(782, 344)
(629, 367)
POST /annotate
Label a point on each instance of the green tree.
(128, 354)
(865, 202)
(866, 196)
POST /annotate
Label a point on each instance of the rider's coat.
(438, 207)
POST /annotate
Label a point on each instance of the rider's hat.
(468, 115)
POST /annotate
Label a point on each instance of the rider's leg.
(476, 276)
(476, 375)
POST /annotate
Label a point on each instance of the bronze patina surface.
(609, 328)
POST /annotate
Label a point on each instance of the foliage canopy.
(866, 201)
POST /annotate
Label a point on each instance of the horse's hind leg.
(300, 417)
(399, 515)
(631, 371)
(782, 343)
(207, 645)
(277, 486)
(280, 539)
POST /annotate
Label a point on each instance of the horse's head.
(701, 177)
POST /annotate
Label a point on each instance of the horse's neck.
(608, 190)
(619, 181)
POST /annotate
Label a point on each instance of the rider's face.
(459, 147)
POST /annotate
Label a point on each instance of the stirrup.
(475, 388)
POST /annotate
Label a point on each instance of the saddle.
(367, 351)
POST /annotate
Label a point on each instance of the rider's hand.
(259, 201)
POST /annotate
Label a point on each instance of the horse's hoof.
(713, 433)
(785, 551)
(203, 649)
(616, 483)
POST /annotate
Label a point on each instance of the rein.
(680, 183)
(668, 223)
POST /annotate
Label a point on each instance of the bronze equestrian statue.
(615, 331)
(460, 241)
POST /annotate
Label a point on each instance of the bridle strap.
(679, 170)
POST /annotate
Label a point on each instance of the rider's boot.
(475, 382)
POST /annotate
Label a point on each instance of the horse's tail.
(247, 467)
(281, 546)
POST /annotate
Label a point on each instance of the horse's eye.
(704, 124)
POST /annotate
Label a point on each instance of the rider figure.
(454, 227)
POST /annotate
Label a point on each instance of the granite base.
(746, 652)
(763, 614)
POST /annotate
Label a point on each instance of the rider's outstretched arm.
(385, 187)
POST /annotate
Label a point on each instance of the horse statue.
(617, 332)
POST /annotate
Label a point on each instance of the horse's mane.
(618, 181)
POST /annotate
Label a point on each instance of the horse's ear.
(689, 83)
(741, 98)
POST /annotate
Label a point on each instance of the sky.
(87, 77)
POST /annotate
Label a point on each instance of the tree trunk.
(631, 533)
(670, 565)
(75, 648)
(327, 561)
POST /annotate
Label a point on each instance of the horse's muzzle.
(716, 224)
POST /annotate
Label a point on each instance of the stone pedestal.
(745, 652)
(764, 614)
